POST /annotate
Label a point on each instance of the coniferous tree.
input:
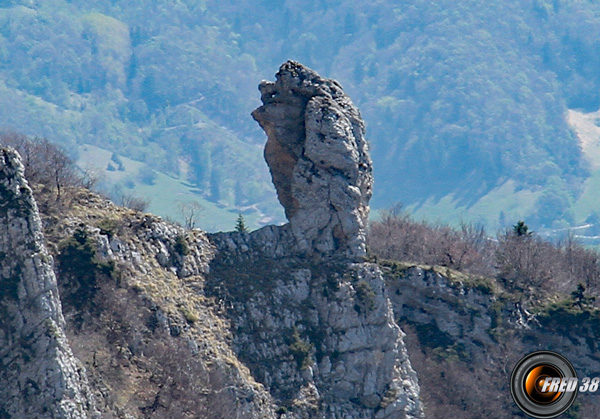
(581, 299)
(240, 224)
(521, 229)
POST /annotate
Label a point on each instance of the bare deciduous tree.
(397, 236)
(190, 212)
(134, 202)
(47, 167)
(518, 259)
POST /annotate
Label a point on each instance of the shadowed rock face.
(319, 160)
(40, 376)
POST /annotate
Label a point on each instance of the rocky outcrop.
(288, 321)
(470, 325)
(40, 376)
(153, 344)
(319, 335)
(319, 161)
(312, 320)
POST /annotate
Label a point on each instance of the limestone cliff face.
(40, 376)
(318, 156)
(319, 335)
(479, 330)
(284, 322)
(311, 319)
(154, 345)
(288, 321)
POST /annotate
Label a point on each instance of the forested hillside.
(461, 98)
(159, 84)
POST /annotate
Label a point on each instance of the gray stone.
(40, 375)
(319, 161)
(371, 401)
(363, 352)
(337, 309)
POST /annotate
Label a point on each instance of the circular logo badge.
(544, 384)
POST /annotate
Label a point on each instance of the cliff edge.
(40, 375)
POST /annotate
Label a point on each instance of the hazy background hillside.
(467, 103)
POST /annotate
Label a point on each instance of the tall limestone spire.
(319, 161)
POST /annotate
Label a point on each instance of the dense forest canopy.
(458, 96)
(457, 93)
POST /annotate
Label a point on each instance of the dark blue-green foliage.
(455, 93)
(77, 261)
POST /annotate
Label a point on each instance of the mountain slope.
(459, 96)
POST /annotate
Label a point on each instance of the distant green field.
(516, 205)
(166, 194)
(486, 211)
(588, 201)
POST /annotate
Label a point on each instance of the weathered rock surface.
(287, 321)
(478, 327)
(154, 299)
(319, 161)
(311, 320)
(319, 335)
(40, 376)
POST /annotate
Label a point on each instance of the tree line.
(518, 259)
